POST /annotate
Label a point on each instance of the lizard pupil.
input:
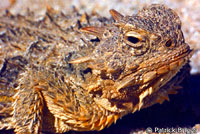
(132, 39)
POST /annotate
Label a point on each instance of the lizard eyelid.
(133, 39)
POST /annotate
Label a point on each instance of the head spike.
(96, 31)
(116, 15)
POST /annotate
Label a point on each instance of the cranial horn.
(96, 31)
(116, 15)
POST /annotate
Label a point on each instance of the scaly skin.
(79, 72)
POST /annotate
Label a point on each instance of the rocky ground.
(184, 108)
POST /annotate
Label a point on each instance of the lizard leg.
(5, 114)
(27, 113)
(5, 123)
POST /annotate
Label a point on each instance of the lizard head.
(136, 56)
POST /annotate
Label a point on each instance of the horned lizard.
(78, 72)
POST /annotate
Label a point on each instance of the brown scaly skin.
(82, 73)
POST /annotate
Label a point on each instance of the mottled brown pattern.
(82, 72)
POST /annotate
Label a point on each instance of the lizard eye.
(132, 39)
(135, 42)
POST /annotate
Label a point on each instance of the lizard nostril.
(169, 44)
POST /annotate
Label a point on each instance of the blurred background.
(184, 108)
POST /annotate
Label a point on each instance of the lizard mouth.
(164, 74)
(160, 71)
(175, 60)
(150, 82)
